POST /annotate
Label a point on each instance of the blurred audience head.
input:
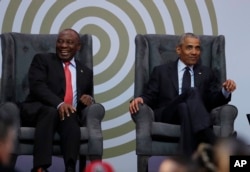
(9, 123)
(216, 158)
(99, 166)
(203, 159)
(225, 148)
(174, 164)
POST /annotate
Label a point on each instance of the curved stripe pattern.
(114, 25)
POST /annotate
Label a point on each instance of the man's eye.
(70, 42)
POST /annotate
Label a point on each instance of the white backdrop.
(233, 20)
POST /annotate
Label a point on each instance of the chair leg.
(83, 159)
(95, 158)
(82, 163)
(142, 163)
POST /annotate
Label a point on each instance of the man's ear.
(178, 50)
(79, 46)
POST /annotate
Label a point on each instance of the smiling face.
(169, 165)
(189, 51)
(67, 44)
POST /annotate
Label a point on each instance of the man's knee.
(182, 106)
(183, 110)
(49, 109)
(48, 112)
(194, 92)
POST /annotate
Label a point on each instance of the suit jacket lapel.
(197, 75)
(173, 74)
(79, 78)
(58, 66)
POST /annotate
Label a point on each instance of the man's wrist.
(225, 93)
(58, 106)
(92, 99)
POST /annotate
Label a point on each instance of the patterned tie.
(68, 98)
(186, 81)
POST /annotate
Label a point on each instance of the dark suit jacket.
(162, 87)
(47, 83)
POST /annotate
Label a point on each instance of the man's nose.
(194, 51)
(64, 44)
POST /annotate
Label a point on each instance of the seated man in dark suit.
(60, 88)
(184, 92)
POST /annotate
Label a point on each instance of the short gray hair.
(186, 35)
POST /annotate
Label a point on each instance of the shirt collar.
(181, 66)
(72, 62)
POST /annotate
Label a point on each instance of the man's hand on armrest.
(87, 100)
(134, 105)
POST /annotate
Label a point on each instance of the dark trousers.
(189, 111)
(47, 122)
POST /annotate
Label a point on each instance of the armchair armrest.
(94, 115)
(224, 116)
(144, 120)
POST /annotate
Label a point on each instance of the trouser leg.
(187, 139)
(46, 125)
(200, 117)
(189, 111)
(69, 131)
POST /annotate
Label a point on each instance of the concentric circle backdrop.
(114, 25)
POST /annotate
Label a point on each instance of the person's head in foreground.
(216, 158)
(174, 164)
(226, 148)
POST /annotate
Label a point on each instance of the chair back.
(156, 49)
(18, 50)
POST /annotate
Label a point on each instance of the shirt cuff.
(59, 105)
(225, 93)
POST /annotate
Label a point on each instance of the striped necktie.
(68, 98)
(186, 81)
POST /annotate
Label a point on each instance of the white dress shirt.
(181, 68)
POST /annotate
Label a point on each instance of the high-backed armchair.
(18, 51)
(161, 139)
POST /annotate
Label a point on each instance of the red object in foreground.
(99, 166)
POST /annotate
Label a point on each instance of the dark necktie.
(186, 81)
(68, 98)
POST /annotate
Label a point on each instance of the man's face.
(171, 166)
(189, 51)
(67, 45)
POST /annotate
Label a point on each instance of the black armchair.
(161, 139)
(17, 51)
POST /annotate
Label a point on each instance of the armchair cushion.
(224, 117)
(149, 132)
(165, 130)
